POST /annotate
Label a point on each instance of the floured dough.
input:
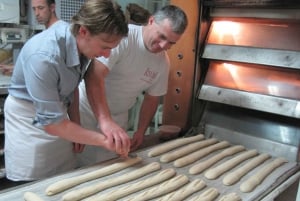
(191, 158)
(163, 148)
(168, 157)
(230, 197)
(215, 172)
(74, 181)
(164, 188)
(199, 167)
(237, 174)
(84, 192)
(135, 187)
(30, 196)
(251, 183)
(185, 191)
(208, 195)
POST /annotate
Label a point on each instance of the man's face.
(42, 11)
(160, 36)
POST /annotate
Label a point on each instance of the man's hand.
(118, 136)
(136, 141)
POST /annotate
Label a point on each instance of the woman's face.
(93, 46)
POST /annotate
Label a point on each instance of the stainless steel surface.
(273, 180)
(221, 119)
(281, 58)
(276, 149)
(282, 187)
(271, 104)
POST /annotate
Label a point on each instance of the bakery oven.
(246, 78)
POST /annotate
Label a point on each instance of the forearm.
(71, 131)
(95, 90)
(147, 112)
(73, 110)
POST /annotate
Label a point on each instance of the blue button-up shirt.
(47, 72)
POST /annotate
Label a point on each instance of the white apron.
(31, 153)
(95, 154)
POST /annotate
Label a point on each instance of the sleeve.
(41, 79)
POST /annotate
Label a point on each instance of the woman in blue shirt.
(42, 131)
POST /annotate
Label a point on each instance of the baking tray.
(279, 175)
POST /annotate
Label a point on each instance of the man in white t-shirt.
(139, 64)
(44, 11)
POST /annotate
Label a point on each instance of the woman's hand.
(117, 136)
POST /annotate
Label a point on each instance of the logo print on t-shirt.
(149, 75)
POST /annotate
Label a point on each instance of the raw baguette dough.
(65, 184)
(251, 183)
(190, 158)
(231, 197)
(164, 188)
(208, 195)
(30, 196)
(95, 188)
(185, 191)
(198, 168)
(215, 172)
(168, 157)
(158, 150)
(135, 187)
(237, 174)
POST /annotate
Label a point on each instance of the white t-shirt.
(133, 69)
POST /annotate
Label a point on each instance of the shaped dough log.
(161, 149)
(215, 172)
(191, 158)
(135, 187)
(164, 188)
(168, 157)
(208, 195)
(231, 197)
(237, 174)
(185, 191)
(251, 183)
(92, 189)
(29, 196)
(198, 168)
(65, 184)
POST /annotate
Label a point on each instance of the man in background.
(44, 11)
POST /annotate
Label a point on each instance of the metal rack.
(4, 83)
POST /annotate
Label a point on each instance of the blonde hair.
(100, 16)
